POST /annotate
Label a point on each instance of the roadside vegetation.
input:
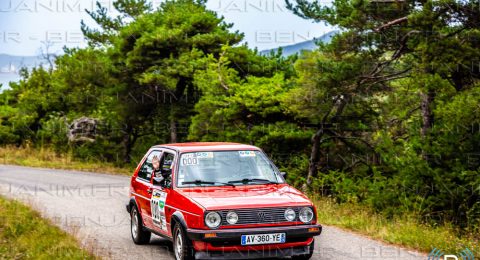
(384, 116)
(24, 234)
(407, 230)
(47, 158)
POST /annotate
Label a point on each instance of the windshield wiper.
(246, 181)
(200, 182)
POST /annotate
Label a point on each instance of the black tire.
(140, 236)
(307, 256)
(182, 246)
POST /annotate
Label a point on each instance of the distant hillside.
(298, 47)
(11, 65)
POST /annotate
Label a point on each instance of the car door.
(161, 195)
(143, 187)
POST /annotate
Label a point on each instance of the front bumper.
(226, 244)
(222, 235)
(255, 253)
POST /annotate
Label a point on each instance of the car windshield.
(226, 168)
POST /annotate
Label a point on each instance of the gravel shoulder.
(92, 208)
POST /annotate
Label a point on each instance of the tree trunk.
(173, 129)
(129, 140)
(314, 159)
(178, 96)
(427, 120)
(427, 112)
(127, 145)
(173, 123)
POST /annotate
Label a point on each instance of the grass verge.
(406, 230)
(47, 158)
(24, 234)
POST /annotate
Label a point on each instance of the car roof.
(207, 146)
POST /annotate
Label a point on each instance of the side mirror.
(284, 174)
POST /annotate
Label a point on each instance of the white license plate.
(261, 239)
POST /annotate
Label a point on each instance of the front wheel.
(140, 236)
(182, 246)
(306, 256)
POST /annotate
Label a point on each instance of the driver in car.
(158, 173)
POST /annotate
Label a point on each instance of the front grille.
(258, 216)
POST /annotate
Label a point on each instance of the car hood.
(249, 196)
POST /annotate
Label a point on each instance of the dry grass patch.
(406, 230)
(47, 158)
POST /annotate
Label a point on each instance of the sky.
(25, 24)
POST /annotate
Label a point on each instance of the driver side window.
(146, 170)
(165, 172)
(167, 161)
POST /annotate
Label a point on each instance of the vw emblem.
(261, 216)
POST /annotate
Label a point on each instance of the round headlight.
(290, 214)
(232, 218)
(213, 220)
(306, 215)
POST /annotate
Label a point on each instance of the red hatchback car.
(219, 201)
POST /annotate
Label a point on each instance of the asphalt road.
(92, 207)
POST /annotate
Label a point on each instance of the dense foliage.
(386, 114)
